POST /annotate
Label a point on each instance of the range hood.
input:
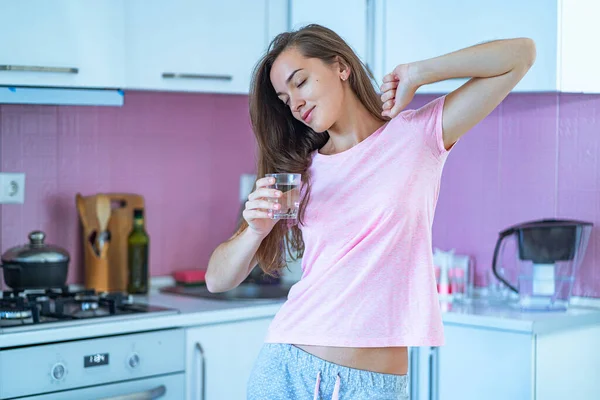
(60, 96)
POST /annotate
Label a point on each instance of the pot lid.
(36, 251)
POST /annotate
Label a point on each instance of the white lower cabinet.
(483, 363)
(475, 363)
(220, 358)
(478, 363)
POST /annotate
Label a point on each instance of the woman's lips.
(307, 115)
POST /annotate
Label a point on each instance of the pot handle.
(10, 266)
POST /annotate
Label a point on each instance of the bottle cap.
(138, 213)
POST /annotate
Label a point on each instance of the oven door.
(166, 387)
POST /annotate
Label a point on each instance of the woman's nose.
(297, 104)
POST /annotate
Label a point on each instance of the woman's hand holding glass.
(258, 211)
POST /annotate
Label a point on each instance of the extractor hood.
(60, 96)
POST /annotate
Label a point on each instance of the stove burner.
(15, 314)
(16, 311)
(86, 306)
(87, 302)
(19, 307)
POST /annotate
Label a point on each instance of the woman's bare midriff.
(385, 360)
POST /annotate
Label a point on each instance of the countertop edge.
(488, 322)
(198, 312)
(550, 325)
(149, 323)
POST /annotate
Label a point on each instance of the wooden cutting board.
(115, 278)
(119, 226)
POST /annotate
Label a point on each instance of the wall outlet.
(12, 188)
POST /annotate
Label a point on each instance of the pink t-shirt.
(367, 272)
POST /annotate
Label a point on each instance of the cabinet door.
(62, 43)
(277, 18)
(194, 45)
(348, 18)
(220, 358)
(480, 363)
(418, 30)
(580, 31)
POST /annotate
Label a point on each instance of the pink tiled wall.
(535, 156)
(183, 152)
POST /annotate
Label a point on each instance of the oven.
(136, 366)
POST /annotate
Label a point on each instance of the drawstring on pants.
(336, 389)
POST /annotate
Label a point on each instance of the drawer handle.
(151, 394)
(33, 68)
(203, 373)
(174, 75)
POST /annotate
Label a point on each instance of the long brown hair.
(284, 143)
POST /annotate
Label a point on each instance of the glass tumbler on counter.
(495, 290)
(289, 185)
(458, 283)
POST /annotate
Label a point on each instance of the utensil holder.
(109, 271)
(96, 268)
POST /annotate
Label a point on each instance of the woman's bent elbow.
(212, 283)
(217, 284)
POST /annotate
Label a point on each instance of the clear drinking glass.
(457, 283)
(496, 290)
(289, 185)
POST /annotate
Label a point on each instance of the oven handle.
(151, 394)
(203, 373)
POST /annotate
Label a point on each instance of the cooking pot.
(35, 265)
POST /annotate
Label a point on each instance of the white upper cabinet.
(579, 61)
(62, 43)
(213, 46)
(194, 45)
(564, 32)
(348, 18)
(277, 15)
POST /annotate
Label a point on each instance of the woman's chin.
(318, 126)
(316, 123)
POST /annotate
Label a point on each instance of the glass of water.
(289, 185)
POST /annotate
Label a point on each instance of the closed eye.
(299, 85)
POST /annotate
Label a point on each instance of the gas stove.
(144, 364)
(63, 305)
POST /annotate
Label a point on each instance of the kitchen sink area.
(245, 291)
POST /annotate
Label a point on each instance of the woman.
(371, 174)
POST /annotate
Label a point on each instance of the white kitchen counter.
(195, 312)
(510, 319)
